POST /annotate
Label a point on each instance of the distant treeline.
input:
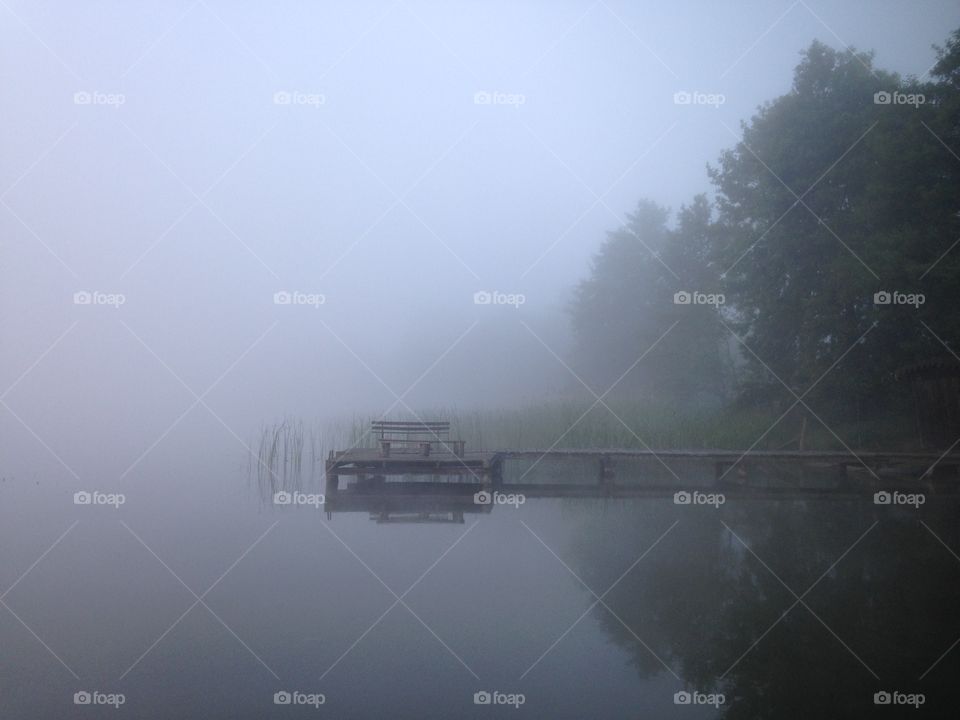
(824, 263)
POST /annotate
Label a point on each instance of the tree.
(625, 310)
(832, 196)
(844, 192)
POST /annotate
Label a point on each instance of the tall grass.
(627, 425)
(290, 452)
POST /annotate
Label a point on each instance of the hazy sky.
(395, 158)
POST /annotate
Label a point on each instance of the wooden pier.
(728, 466)
(365, 463)
(442, 487)
(419, 470)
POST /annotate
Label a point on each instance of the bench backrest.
(396, 429)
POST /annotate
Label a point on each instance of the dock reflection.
(435, 501)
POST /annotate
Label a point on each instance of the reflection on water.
(409, 606)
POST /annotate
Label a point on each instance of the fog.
(216, 216)
(382, 186)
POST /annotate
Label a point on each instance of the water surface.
(588, 608)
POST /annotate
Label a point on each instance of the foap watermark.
(695, 297)
(485, 497)
(695, 97)
(497, 97)
(298, 97)
(95, 497)
(295, 297)
(894, 697)
(698, 698)
(495, 697)
(95, 297)
(95, 97)
(296, 497)
(894, 497)
(495, 297)
(896, 97)
(295, 697)
(96, 697)
(684, 497)
(895, 297)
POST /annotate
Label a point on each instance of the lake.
(199, 597)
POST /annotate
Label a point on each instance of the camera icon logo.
(482, 698)
(681, 498)
(82, 698)
(282, 498)
(682, 298)
(82, 498)
(482, 297)
(282, 297)
(882, 98)
(482, 498)
(82, 98)
(682, 698)
(281, 97)
(282, 698)
(882, 298)
(882, 698)
(882, 498)
(682, 98)
(482, 97)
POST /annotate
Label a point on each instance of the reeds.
(285, 447)
(573, 424)
(290, 455)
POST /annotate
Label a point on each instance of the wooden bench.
(418, 437)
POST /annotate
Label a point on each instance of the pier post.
(495, 470)
(332, 483)
(606, 471)
(843, 479)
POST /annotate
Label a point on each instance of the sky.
(179, 164)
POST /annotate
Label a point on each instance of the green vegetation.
(285, 448)
(846, 186)
(575, 425)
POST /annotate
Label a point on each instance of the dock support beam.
(606, 470)
(332, 484)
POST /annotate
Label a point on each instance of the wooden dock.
(419, 472)
(440, 487)
(368, 460)
(486, 467)
(364, 463)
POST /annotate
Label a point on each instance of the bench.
(418, 437)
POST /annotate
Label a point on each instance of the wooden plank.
(377, 425)
(827, 455)
(450, 459)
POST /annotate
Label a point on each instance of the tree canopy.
(830, 237)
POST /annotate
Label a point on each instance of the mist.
(223, 223)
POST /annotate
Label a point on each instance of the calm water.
(589, 609)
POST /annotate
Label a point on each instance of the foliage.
(831, 196)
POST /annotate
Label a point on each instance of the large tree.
(846, 186)
(834, 195)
